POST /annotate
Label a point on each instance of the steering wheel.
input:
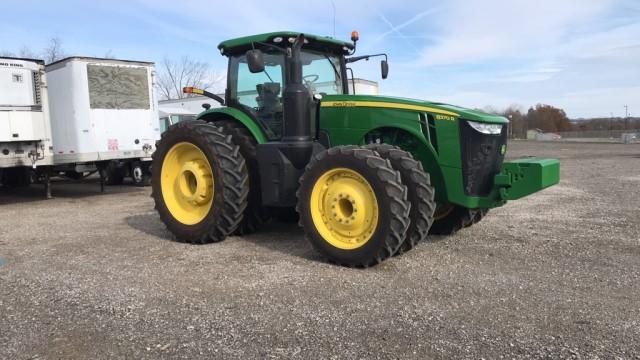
(311, 78)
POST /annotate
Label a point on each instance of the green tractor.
(369, 176)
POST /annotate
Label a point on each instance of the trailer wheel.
(140, 174)
(420, 192)
(255, 215)
(449, 218)
(74, 175)
(353, 206)
(17, 177)
(113, 173)
(199, 182)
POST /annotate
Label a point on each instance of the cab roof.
(317, 42)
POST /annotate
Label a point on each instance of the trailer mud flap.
(523, 177)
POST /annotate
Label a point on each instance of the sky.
(582, 56)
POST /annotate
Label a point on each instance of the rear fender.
(212, 115)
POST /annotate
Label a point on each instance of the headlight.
(489, 129)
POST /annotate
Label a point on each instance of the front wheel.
(419, 191)
(353, 206)
(140, 174)
(200, 182)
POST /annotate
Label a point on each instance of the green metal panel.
(523, 177)
(267, 37)
(226, 112)
(443, 110)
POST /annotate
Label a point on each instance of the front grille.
(481, 158)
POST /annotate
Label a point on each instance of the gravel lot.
(556, 275)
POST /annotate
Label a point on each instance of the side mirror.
(384, 66)
(255, 61)
(206, 106)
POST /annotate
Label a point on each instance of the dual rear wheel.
(361, 205)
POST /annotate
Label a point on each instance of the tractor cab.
(261, 66)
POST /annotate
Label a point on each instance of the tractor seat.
(269, 97)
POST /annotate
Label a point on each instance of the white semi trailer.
(77, 116)
(104, 112)
(25, 132)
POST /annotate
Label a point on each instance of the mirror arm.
(365, 57)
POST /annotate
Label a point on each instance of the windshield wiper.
(334, 68)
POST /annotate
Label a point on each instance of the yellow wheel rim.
(442, 210)
(344, 208)
(187, 182)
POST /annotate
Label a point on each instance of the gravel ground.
(555, 275)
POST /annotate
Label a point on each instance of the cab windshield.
(261, 94)
(321, 73)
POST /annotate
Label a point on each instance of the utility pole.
(626, 116)
(610, 121)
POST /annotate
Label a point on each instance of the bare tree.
(174, 75)
(26, 52)
(109, 54)
(53, 52)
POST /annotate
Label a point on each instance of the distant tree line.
(52, 52)
(551, 119)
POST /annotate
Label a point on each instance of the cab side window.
(261, 93)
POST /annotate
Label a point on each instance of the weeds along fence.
(618, 136)
(597, 134)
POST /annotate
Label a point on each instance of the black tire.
(17, 177)
(456, 218)
(390, 194)
(113, 173)
(420, 192)
(255, 215)
(230, 175)
(74, 175)
(478, 216)
(285, 214)
(140, 174)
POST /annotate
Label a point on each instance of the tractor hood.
(411, 104)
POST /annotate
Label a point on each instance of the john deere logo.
(503, 149)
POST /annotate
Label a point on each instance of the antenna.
(333, 5)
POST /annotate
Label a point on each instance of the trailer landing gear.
(47, 184)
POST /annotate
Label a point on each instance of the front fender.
(227, 112)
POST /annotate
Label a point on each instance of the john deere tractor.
(369, 176)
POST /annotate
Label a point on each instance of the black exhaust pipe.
(296, 132)
(283, 162)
